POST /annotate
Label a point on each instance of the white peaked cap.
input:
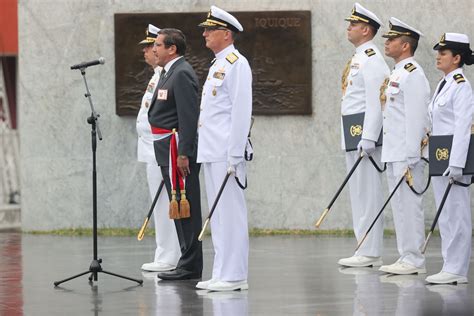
(361, 14)
(399, 28)
(220, 18)
(151, 34)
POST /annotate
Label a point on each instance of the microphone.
(85, 64)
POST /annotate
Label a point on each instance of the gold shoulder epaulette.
(459, 78)
(410, 67)
(370, 52)
(232, 58)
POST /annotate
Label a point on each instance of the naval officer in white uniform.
(451, 111)
(361, 80)
(405, 124)
(167, 251)
(224, 123)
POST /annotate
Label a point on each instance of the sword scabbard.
(141, 233)
(426, 242)
(201, 234)
(322, 217)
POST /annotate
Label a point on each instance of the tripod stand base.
(94, 269)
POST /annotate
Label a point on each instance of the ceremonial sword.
(141, 233)
(214, 205)
(326, 210)
(406, 174)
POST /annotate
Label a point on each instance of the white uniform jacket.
(226, 108)
(361, 88)
(405, 113)
(451, 113)
(145, 151)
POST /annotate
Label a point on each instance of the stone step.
(10, 217)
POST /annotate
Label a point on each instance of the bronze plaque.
(277, 45)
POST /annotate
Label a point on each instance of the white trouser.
(455, 225)
(407, 212)
(366, 200)
(229, 225)
(167, 244)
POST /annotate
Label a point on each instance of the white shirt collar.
(226, 51)
(171, 62)
(452, 73)
(364, 46)
(404, 62)
(157, 69)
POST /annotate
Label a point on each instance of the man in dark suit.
(173, 117)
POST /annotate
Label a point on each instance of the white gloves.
(367, 146)
(453, 172)
(412, 161)
(233, 162)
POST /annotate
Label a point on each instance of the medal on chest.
(219, 75)
(150, 87)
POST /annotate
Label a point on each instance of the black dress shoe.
(179, 274)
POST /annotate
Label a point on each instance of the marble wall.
(298, 164)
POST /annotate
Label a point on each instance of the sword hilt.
(426, 242)
(201, 235)
(141, 233)
(321, 218)
(409, 177)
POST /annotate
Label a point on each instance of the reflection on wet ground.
(289, 275)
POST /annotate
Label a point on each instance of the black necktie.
(441, 86)
(162, 76)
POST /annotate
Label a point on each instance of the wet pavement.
(289, 275)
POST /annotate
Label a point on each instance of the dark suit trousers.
(188, 229)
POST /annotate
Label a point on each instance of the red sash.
(175, 175)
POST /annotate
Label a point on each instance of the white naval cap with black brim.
(220, 18)
(457, 41)
(151, 34)
(399, 28)
(361, 14)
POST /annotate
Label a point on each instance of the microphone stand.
(95, 266)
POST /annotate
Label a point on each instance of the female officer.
(451, 111)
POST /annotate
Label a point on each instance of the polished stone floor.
(289, 275)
